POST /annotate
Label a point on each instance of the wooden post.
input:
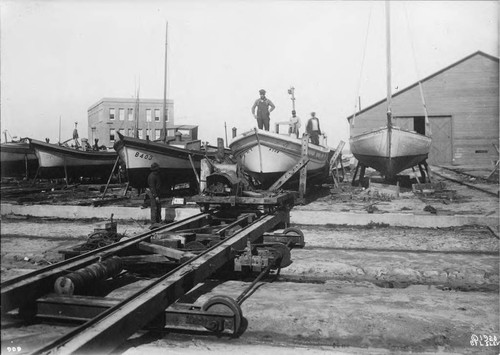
(194, 169)
(333, 162)
(355, 174)
(303, 172)
(66, 173)
(26, 165)
(109, 179)
(36, 175)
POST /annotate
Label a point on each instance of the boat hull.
(390, 151)
(267, 156)
(17, 160)
(175, 163)
(56, 161)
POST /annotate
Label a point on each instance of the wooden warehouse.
(462, 105)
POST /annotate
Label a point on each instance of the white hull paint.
(262, 152)
(52, 160)
(403, 143)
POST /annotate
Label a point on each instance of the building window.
(111, 113)
(130, 114)
(157, 133)
(130, 132)
(148, 115)
(121, 114)
(139, 133)
(111, 135)
(157, 115)
(148, 132)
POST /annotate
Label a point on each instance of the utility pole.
(165, 110)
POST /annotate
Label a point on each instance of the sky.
(57, 58)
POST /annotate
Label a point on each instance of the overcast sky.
(59, 57)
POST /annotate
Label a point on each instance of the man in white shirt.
(294, 124)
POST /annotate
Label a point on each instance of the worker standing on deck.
(264, 107)
(154, 183)
(294, 124)
(313, 129)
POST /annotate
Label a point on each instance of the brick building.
(111, 115)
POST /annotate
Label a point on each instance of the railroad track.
(458, 177)
(216, 237)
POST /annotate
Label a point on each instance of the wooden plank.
(287, 175)
(170, 253)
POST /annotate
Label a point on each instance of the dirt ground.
(350, 290)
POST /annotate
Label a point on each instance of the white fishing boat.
(178, 156)
(17, 159)
(390, 149)
(267, 156)
(58, 161)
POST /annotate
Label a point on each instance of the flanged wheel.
(281, 251)
(227, 306)
(292, 231)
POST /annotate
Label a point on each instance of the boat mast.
(388, 63)
(165, 110)
(388, 55)
(291, 91)
(136, 113)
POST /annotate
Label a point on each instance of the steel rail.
(24, 289)
(109, 329)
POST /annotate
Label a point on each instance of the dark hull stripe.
(390, 167)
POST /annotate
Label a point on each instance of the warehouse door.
(442, 143)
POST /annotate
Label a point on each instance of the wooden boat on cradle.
(57, 161)
(266, 156)
(391, 149)
(179, 157)
(18, 160)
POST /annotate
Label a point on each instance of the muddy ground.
(363, 290)
(375, 289)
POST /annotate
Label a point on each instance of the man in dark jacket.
(154, 183)
(313, 129)
(264, 107)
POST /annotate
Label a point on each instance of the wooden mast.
(388, 65)
(165, 110)
(136, 113)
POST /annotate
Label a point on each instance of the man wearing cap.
(294, 124)
(154, 183)
(264, 108)
(313, 129)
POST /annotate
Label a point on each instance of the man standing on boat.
(154, 183)
(264, 108)
(294, 124)
(313, 129)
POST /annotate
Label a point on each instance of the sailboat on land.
(390, 149)
(178, 152)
